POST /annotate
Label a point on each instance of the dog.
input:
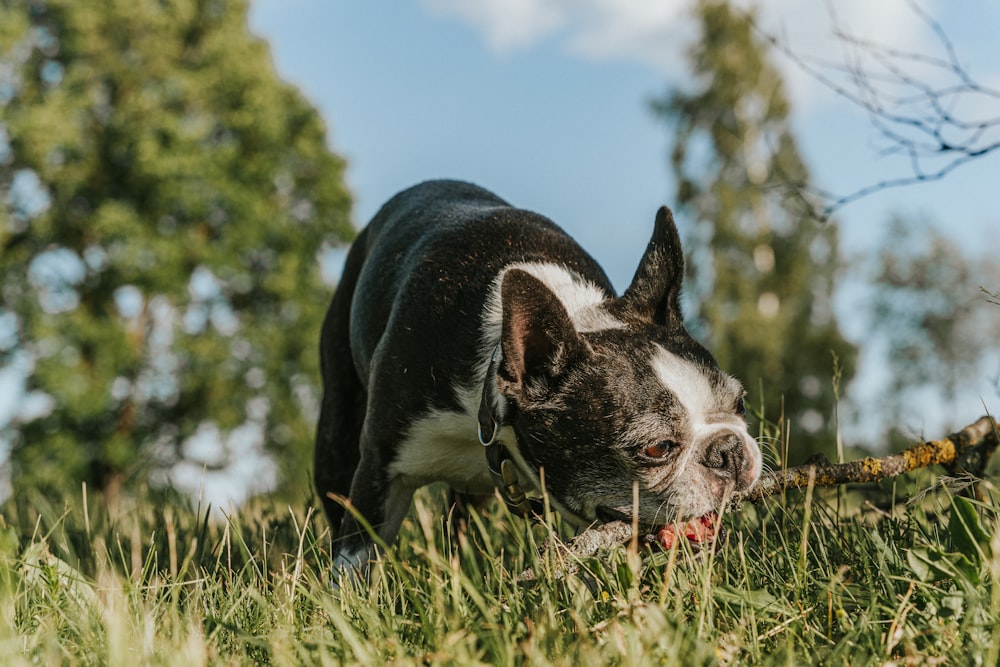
(461, 321)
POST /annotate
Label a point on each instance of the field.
(833, 578)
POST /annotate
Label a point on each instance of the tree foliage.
(164, 199)
(764, 267)
(928, 307)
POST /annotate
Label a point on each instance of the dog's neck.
(502, 467)
(584, 301)
(489, 419)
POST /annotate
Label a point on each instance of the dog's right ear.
(655, 292)
(538, 339)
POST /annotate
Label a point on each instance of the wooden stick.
(968, 451)
(597, 538)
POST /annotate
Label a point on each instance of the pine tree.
(936, 323)
(163, 200)
(765, 267)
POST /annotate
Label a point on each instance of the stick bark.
(968, 450)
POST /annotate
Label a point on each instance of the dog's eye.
(660, 450)
(741, 408)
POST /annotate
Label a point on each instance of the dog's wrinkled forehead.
(698, 385)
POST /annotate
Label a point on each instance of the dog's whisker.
(769, 457)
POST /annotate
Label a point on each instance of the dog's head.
(619, 394)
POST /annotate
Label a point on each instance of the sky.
(546, 102)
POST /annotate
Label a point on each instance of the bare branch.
(918, 177)
(922, 106)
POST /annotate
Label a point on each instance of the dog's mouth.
(702, 532)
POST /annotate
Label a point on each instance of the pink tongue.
(701, 531)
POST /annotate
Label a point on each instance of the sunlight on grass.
(838, 578)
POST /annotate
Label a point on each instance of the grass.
(811, 578)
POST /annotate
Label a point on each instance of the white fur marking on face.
(688, 383)
(708, 416)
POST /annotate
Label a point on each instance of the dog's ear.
(655, 292)
(538, 339)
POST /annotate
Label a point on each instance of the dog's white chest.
(442, 447)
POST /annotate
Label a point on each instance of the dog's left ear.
(538, 339)
(655, 292)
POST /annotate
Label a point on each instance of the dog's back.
(404, 331)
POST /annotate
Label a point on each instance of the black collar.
(503, 469)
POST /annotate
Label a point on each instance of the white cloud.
(654, 33)
(657, 33)
(600, 29)
(507, 24)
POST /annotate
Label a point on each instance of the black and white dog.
(459, 315)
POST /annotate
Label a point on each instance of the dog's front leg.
(383, 502)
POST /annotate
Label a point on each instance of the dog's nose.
(725, 457)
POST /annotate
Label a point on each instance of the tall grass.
(829, 578)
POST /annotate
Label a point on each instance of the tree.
(764, 267)
(938, 329)
(165, 197)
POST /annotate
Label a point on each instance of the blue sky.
(558, 121)
(410, 95)
(546, 103)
